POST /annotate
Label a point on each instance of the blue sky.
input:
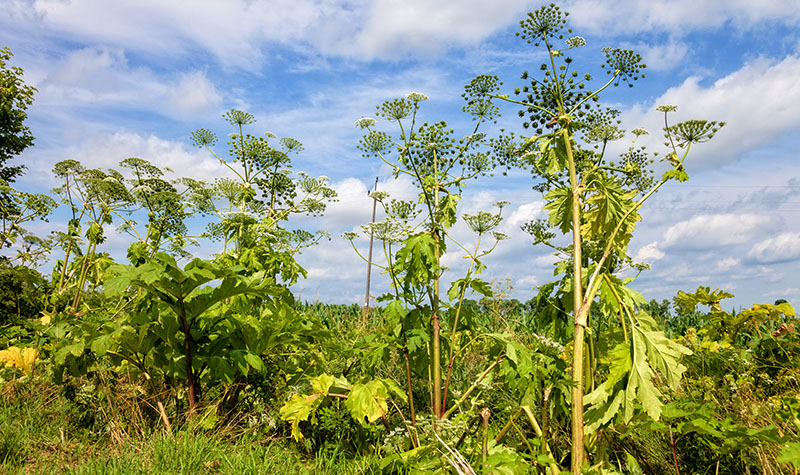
(135, 78)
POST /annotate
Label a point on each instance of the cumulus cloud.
(98, 76)
(421, 26)
(237, 32)
(784, 247)
(728, 263)
(648, 253)
(755, 102)
(240, 32)
(706, 232)
(661, 57)
(524, 213)
(791, 294)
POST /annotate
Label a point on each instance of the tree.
(15, 207)
(15, 97)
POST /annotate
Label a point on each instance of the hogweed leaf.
(633, 367)
(368, 401)
(559, 208)
(19, 358)
(300, 407)
(790, 453)
(607, 204)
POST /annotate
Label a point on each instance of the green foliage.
(366, 402)
(631, 382)
(439, 164)
(94, 198)
(16, 208)
(433, 381)
(23, 293)
(167, 209)
(178, 327)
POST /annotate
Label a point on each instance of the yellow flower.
(15, 357)
(45, 320)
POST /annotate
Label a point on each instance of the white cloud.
(526, 283)
(662, 57)
(415, 26)
(781, 248)
(649, 253)
(728, 263)
(98, 76)
(236, 31)
(756, 102)
(194, 95)
(525, 213)
(239, 32)
(791, 294)
(684, 272)
(103, 77)
(706, 232)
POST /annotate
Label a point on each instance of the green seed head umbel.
(546, 22)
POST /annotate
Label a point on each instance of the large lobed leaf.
(300, 407)
(632, 373)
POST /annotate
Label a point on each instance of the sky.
(134, 78)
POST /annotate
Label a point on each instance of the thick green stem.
(409, 386)
(82, 276)
(67, 253)
(500, 435)
(64, 267)
(436, 357)
(485, 414)
(437, 366)
(578, 455)
(187, 348)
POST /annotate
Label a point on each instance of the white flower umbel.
(366, 122)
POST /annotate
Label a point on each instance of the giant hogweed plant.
(595, 199)
(94, 197)
(430, 328)
(164, 322)
(98, 198)
(253, 207)
(439, 165)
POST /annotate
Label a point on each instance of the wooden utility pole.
(365, 309)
